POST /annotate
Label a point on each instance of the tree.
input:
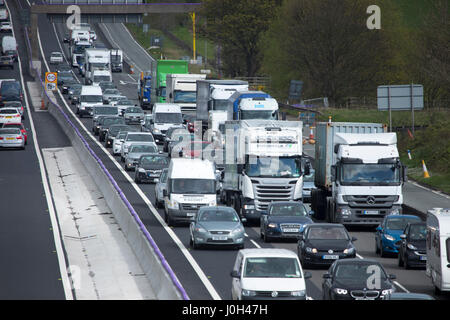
(236, 25)
(327, 44)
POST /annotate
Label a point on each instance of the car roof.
(358, 261)
(217, 208)
(268, 252)
(325, 225)
(284, 202)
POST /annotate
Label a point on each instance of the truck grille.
(370, 201)
(192, 206)
(265, 194)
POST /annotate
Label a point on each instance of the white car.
(268, 274)
(134, 137)
(6, 27)
(10, 114)
(11, 138)
(56, 57)
(117, 142)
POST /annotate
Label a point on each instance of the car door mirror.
(164, 193)
(235, 274)
(311, 212)
(307, 275)
(379, 228)
(243, 220)
(326, 276)
(354, 239)
(392, 277)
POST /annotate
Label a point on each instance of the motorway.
(203, 273)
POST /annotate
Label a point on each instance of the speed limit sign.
(51, 80)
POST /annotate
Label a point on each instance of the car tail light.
(1, 138)
(17, 115)
(19, 138)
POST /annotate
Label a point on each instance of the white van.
(4, 15)
(191, 184)
(438, 248)
(90, 96)
(8, 44)
(101, 75)
(268, 274)
(165, 116)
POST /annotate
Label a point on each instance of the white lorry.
(212, 96)
(96, 59)
(263, 163)
(191, 184)
(438, 248)
(358, 173)
(182, 90)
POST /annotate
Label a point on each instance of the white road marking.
(48, 196)
(172, 234)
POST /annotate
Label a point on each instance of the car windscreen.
(292, 210)
(9, 87)
(418, 232)
(134, 110)
(108, 122)
(91, 98)
(398, 223)
(272, 267)
(143, 148)
(158, 160)
(114, 129)
(168, 117)
(101, 78)
(327, 233)
(218, 215)
(105, 110)
(13, 125)
(193, 186)
(121, 135)
(358, 272)
(140, 137)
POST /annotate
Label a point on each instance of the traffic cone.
(42, 104)
(311, 136)
(425, 171)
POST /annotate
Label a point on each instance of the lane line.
(171, 233)
(51, 209)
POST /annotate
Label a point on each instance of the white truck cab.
(164, 116)
(191, 184)
(90, 97)
(258, 108)
(268, 274)
(101, 75)
(438, 248)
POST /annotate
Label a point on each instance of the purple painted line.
(116, 186)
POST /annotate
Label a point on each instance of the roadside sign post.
(400, 97)
(51, 80)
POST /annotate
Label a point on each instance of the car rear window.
(9, 131)
(12, 125)
(8, 111)
(9, 86)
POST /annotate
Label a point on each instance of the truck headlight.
(299, 293)
(249, 207)
(156, 130)
(145, 99)
(395, 211)
(173, 204)
(248, 293)
(346, 212)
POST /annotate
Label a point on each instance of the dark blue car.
(284, 219)
(387, 236)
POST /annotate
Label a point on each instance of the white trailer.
(96, 59)
(182, 90)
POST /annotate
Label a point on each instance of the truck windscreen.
(168, 117)
(369, 174)
(185, 97)
(285, 167)
(258, 114)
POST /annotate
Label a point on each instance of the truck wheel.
(330, 211)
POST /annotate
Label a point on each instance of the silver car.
(12, 138)
(133, 114)
(111, 92)
(123, 104)
(160, 186)
(136, 150)
(216, 226)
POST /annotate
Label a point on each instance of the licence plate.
(330, 257)
(219, 238)
(290, 230)
(152, 174)
(8, 117)
(423, 258)
(190, 214)
(9, 138)
(370, 212)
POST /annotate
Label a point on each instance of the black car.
(13, 54)
(113, 131)
(10, 90)
(6, 62)
(149, 167)
(96, 123)
(412, 251)
(174, 134)
(283, 219)
(74, 88)
(62, 67)
(106, 123)
(323, 243)
(67, 84)
(357, 279)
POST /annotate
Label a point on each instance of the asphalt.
(29, 266)
(216, 264)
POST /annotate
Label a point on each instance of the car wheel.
(406, 262)
(266, 238)
(377, 248)
(125, 167)
(382, 253)
(136, 179)
(400, 260)
(122, 159)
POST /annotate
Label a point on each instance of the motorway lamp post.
(193, 35)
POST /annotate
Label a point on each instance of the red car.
(18, 126)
